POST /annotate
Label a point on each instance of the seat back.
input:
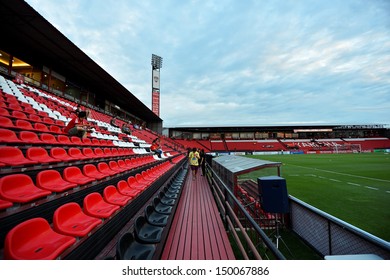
(70, 219)
(122, 185)
(58, 152)
(63, 139)
(48, 138)
(13, 156)
(35, 239)
(39, 154)
(41, 127)
(76, 140)
(72, 172)
(123, 245)
(29, 137)
(20, 188)
(6, 122)
(104, 168)
(109, 192)
(47, 178)
(65, 212)
(89, 169)
(76, 153)
(8, 136)
(23, 124)
(91, 200)
(99, 152)
(88, 153)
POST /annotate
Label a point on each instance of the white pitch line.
(353, 184)
(345, 174)
(371, 188)
(334, 180)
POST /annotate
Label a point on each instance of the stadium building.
(109, 196)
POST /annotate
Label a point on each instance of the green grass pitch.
(352, 187)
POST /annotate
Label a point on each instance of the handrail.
(274, 250)
(355, 230)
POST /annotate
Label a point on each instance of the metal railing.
(329, 235)
(251, 240)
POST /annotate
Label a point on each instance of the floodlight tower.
(156, 66)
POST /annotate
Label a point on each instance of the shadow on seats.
(145, 232)
(128, 248)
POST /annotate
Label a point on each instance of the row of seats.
(9, 136)
(20, 124)
(33, 117)
(141, 243)
(20, 188)
(27, 96)
(14, 156)
(37, 239)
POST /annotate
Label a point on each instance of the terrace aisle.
(197, 231)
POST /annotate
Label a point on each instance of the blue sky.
(241, 62)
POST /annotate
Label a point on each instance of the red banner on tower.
(156, 102)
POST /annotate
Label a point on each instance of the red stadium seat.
(29, 110)
(95, 206)
(87, 141)
(4, 204)
(52, 180)
(114, 166)
(40, 154)
(56, 129)
(42, 114)
(133, 183)
(76, 140)
(141, 180)
(6, 122)
(59, 123)
(88, 152)
(111, 195)
(124, 188)
(4, 112)
(34, 239)
(104, 168)
(29, 137)
(76, 153)
(114, 152)
(48, 120)
(8, 136)
(107, 152)
(13, 156)
(15, 106)
(99, 153)
(34, 118)
(95, 142)
(20, 188)
(24, 125)
(147, 177)
(90, 170)
(60, 153)
(19, 115)
(73, 174)
(64, 140)
(41, 127)
(70, 219)
(122, 164)
(130, 163)
(49, 139)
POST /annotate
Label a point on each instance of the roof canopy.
(30, 37)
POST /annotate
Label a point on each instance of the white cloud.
(241, 62)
